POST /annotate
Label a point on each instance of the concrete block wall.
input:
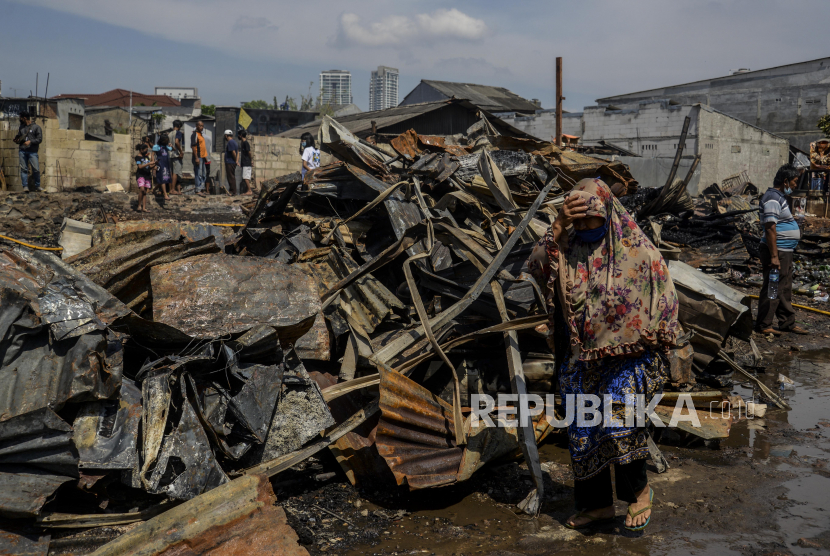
(728, 147)
(650, 130)
(67, 161)
(278, 156)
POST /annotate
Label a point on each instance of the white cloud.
(397, 30)
(393, 29)
(452, 23)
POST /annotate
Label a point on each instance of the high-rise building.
(383, 88)
(336, 87)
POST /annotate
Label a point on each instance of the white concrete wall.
(653, 130)
(729, 147)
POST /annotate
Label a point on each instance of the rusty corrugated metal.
(355, 451)
(410, 145)
(406, 144)
(239, 518)
(435, 142)
(210, 296)
(415, 433)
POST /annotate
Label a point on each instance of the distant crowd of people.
(159, 162)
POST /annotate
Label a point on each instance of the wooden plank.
(712, 426)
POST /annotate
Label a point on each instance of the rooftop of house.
(121, 97)
(493, 99)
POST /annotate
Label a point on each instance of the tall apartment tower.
(336, 87)
(383, 88)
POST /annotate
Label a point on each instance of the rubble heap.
(356, 309)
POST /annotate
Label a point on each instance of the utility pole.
(131, 110)
(559, 99)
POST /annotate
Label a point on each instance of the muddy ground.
(37, 217)
(763, 491)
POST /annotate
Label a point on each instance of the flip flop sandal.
(633, 515)
(593, 521)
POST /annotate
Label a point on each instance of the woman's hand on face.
(573, 209)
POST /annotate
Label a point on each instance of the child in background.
(163, 172)
(311, 155)
(143, 175)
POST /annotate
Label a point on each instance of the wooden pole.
(559, 99)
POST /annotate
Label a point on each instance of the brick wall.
(278, 156)
(67, 161)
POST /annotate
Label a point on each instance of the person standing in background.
(231, 160)
(176, 158)
(819, 164)
(29, 137)
(246, 160)
(199, 152)
(163, 172)
(144, 169)
(311, 155)
(781, 236)
(209, 185)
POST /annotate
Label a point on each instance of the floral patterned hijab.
(616, 293)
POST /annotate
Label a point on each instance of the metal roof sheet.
(361, 124)
(487, 97)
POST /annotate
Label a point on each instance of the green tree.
(292, 104)
(307, 101)
(256, 104)
(208, 109)
(824, 125)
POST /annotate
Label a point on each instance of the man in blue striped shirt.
(781, 236)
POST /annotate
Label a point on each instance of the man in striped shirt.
(781, 236)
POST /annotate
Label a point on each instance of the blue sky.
(252, 49)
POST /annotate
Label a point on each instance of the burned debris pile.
(358, 309)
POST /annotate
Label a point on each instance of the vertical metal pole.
(131, 110)
(679, 153)
(559, 102)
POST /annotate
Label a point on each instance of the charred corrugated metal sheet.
(22, 543)
(238, 518)
(402, 214)
(53, 347)
(366, 303)
(186, 464)
(39, 439)
(415, 433)
(189, 231)
(24, 490)
(106, 432)
(210, 296)
(122, 264)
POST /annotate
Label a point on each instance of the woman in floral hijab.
(609, 293)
